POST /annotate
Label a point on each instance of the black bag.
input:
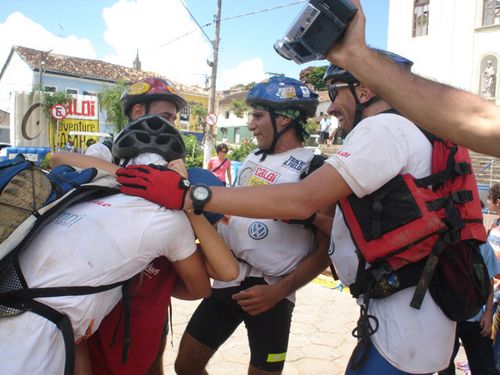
(461, 284)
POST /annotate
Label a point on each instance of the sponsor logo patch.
(258, 230)
(67, 219)
(287, 92)
(139, 88)
(266, 174)
(293, 163)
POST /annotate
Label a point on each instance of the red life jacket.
(410, 222)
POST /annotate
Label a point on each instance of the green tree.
(109, 100)
(312, 126)
(250, 86)
(240, 152)
(50, 99)
(314, 76)
(199, 112)
(239, 107)
(194, 152)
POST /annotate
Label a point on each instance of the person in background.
(324, 128)
(220, 165)
(494, 229)
(494, 241)
(447, 112)
(70, 145)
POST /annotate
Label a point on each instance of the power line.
(263, 10)
(196, 22)
(222, 19)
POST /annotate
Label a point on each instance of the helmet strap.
(276, 135)
(361, 106)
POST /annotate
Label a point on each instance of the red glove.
(156, 184)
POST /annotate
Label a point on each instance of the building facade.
(26, 70)
(230, 127)
(456, 42)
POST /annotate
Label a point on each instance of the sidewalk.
(320, 338)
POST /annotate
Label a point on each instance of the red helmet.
(148, 90)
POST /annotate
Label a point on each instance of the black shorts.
(218, 316)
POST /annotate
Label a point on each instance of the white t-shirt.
(376, 150)
(324, 124)
(92, 243)
(268, 248)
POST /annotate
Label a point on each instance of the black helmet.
(149, 134)
(336, 73)
(148, 90)
(283, 93)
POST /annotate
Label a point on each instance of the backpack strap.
(60, 320)
(427, 273)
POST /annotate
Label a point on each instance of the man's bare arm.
(260, 298)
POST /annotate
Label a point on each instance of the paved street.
(320, 339)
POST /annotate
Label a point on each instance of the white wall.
(232, 121)
(17, 77)
(456, 42)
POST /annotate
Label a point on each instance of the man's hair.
(494, 193)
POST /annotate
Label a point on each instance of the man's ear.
(137, 110)
(364, 93)
(283, 122)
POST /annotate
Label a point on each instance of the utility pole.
(40, 71)
(41, 68)
(208, 144)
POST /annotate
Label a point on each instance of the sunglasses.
(333, 89)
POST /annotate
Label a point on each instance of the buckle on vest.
(462, 168)
(380, 271)
(462, 196)
(452, 237)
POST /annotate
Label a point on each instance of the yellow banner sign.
(79, 142)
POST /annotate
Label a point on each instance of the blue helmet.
(336, 73)
(283, 93)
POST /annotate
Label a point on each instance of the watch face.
(200, 193)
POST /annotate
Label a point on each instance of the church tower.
(137, 63)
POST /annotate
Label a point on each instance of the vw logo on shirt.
(258, 230)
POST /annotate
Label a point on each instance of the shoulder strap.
(219, 166)
(316, 162)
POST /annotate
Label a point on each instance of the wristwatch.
(200, 195)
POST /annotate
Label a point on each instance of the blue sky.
(113, 30)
